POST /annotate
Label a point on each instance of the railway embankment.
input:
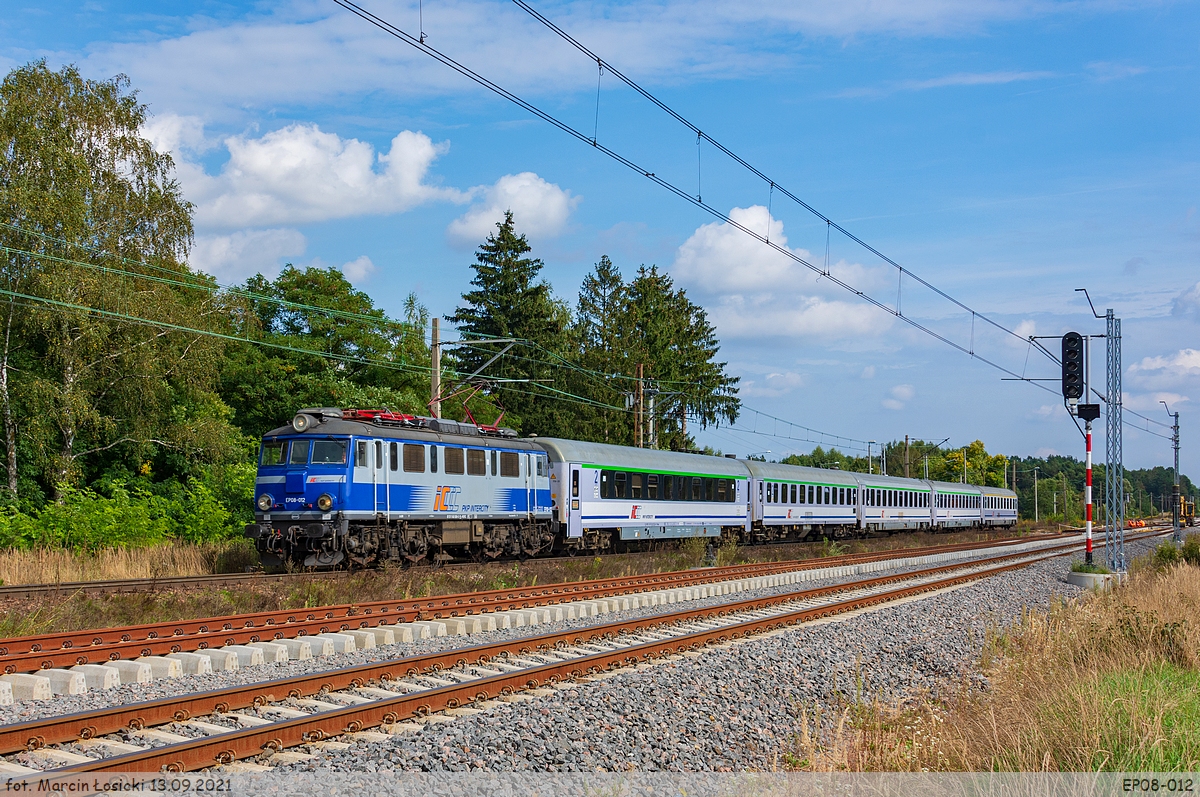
(170, 597)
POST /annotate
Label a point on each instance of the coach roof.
(625, 457)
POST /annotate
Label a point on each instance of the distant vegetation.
(133, 390)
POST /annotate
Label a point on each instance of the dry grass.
(1110, 683)
(78, 611)
(57, 566)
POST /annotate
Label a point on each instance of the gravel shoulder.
(730, 709)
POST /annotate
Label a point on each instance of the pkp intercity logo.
(446, 499)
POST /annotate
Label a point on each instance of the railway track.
(110, 586)
(99, 646)
(268, 718)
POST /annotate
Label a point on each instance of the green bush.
(137, 513)
(1164, 556)
(1191, 549)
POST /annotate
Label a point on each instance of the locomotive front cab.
(301, 494)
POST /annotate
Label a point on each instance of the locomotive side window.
(360, 454)
(379, 454)
(510, 464)
(329, 452)
(454, 460)
(433, 459)
(299, 453)
(494, 469)
(273, 452)
(414, 458)
(476, 462)
(393, 458)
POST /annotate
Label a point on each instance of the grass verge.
(1110, 683)
(66, 612)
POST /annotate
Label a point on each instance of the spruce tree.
(509, 300)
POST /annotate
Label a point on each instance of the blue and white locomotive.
(366, 487)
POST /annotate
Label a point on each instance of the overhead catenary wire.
(467, 72)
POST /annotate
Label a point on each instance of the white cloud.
(300, 174)
(868, 372)
(177, 134)
(1047, 410)
(772, 385)
(756, 291)
(900, 395)
(1166, 371)
(1046, 452)
(946, 81)
(1188, 302)
(1147, 403)
(234, 257)
(359, 270)
(540, 209)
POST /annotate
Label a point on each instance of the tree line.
(134, 389)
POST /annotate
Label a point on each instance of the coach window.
(414, 458)
(476, 462)
(619, 482)
(697, 489)
(793, 494)
(454, 460)
(652, 486)
(606, 484)
(510, 464)
(273, 452)
(667, 488)
(635, 485)
(299, 453)
(721, 489)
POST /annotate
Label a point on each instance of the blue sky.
(1007, 152)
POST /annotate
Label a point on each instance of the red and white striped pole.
(1088, 490)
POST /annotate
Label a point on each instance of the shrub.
(1164, 556)
(1191, 549)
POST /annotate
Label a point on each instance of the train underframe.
(323, 545)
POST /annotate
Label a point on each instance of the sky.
(1003, 153)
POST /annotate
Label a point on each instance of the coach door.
(575, 507)
(530, 484)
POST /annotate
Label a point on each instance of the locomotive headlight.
(264, 502)
(325, 502)
(302, 422)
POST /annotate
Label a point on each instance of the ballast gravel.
(730, 709)
(126, 694)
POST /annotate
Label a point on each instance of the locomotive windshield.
(329, 452)
(273, 452)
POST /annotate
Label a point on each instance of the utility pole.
(964, 476)
(870, 462)
(653, 431)
(1177, 534)
(906, 456)
(641, 396)
(435, 362)
(1036, 516)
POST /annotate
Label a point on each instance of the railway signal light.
(1072, 365)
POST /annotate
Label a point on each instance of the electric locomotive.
(367, 487)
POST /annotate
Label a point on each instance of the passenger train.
(362, 488)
